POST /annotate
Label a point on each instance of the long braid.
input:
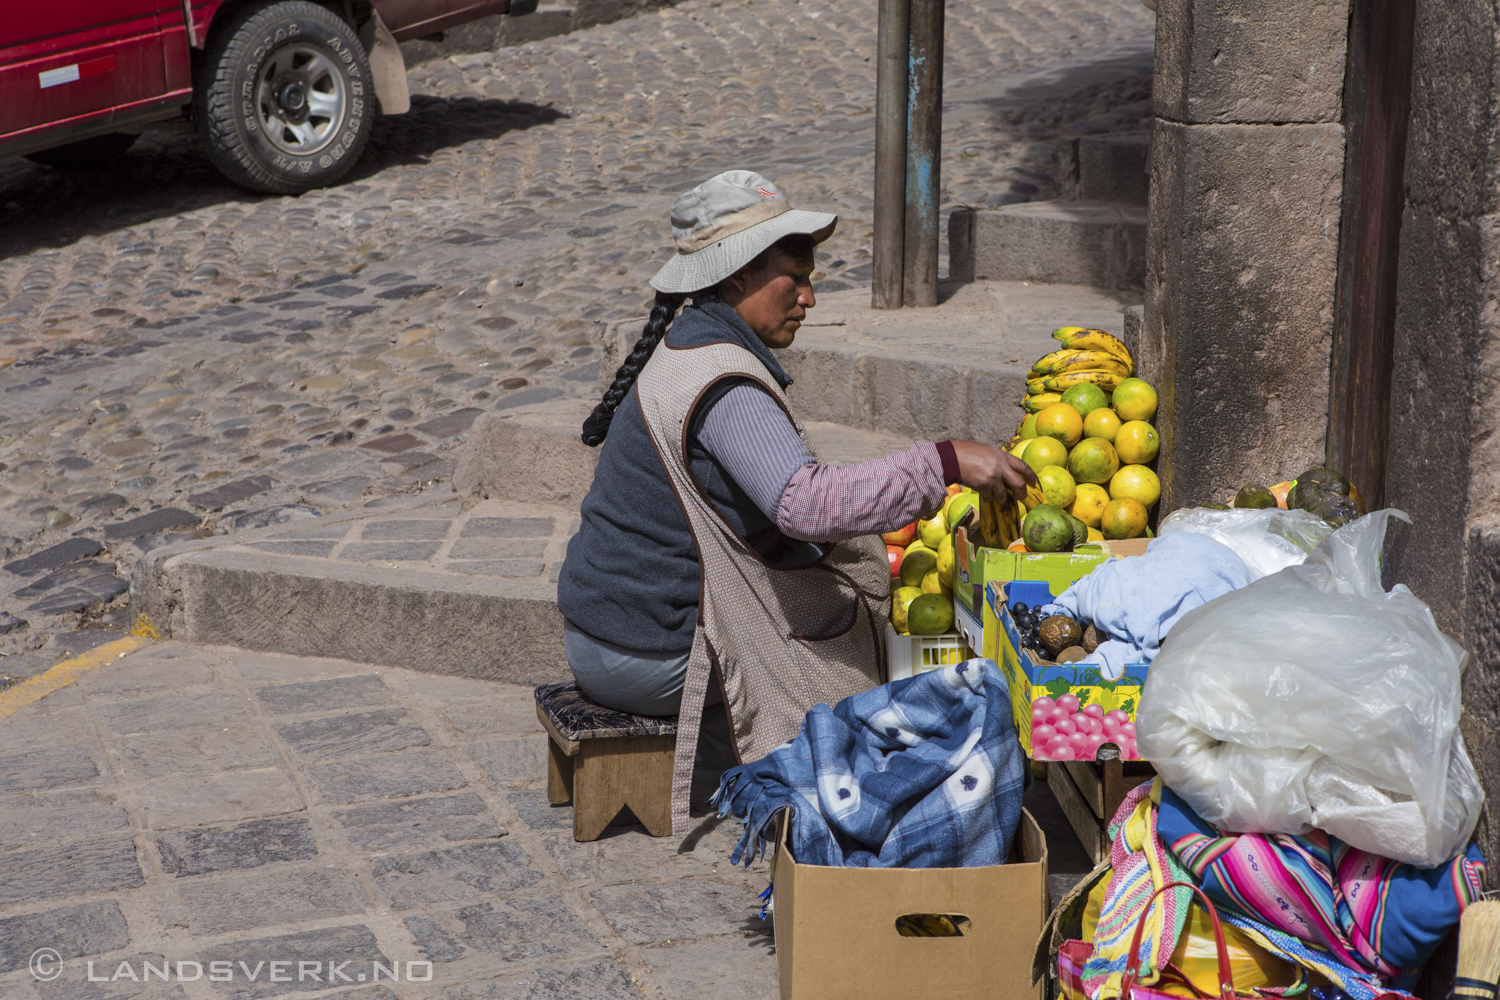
(596, 427)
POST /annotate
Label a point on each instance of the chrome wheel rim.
(300, 100)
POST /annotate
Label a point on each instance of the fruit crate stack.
(1090, 792)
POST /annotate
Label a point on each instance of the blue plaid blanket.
(919, 773)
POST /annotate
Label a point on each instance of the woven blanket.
(1141, 865)
(925, 772)
(1370, 913)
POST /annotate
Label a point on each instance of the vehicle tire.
(85, 154)
(285, 99)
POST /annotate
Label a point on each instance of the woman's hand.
(991, 471)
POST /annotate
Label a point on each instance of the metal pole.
(924, 139)
(890, 153)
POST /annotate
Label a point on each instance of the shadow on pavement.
(165, 175)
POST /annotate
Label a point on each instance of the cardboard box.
(836, 933)
(1030, 679)
(976, 566)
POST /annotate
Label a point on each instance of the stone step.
(1095, 243)
(1105, 168)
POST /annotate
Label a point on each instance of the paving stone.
(93, 591)
(190, 751)
(142, 673)
(68, 575)
(352, 949)
(104, 501)
(623, 853)
(145, 715)
(512, 762)
(456, 874)
(72, 931)
(494, 717)
(601, 979)
(419, 821)
(37, 817)
(276, 896)
(222, 496)
(530, 397)
(54, 556)
(353, 734)
(390, 444)
(219, 797)
(687, 908)
(538, 813)
(507, 527)
(51, 870)
(10, 623)
(338, 491)
(389, 551)
(505, 549)
(300, 547)
(248, 845)
(515, 930)
(424, 528)
(451, 423)
(409, 461)
(325, 695)
(150, 524)
(387, 775)
(268, 517)
(725, 969)
(510, 568)
(33, 726)
(50, 768)
(324, 464)
(80, 641)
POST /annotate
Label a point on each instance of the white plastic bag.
(1314, 699)
(1265, 540)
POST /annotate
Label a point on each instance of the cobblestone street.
(209, 360)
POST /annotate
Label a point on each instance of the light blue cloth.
(918, 773)
(1137, 600)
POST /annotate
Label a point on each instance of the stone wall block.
(1450, 164)
(1481, 717)
(1250, 61)
(1240, 273)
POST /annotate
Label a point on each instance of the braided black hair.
(596, 427)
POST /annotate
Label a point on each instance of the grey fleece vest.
(631, 576)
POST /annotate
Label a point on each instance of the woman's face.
(774, 300)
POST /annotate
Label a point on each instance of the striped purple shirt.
(749, 434)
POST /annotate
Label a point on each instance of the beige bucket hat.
(723, 223)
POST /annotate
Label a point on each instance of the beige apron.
(783, 640)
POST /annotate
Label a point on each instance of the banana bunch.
(998, 524)
(1087, 356)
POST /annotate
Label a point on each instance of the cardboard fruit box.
(976, 566)
(1038, 688)
(836, 936)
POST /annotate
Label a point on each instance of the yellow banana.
(989, 523)
(1079, 338)
(1035, 386)
(1075, 360)
(1106, 380)
(1036, 404)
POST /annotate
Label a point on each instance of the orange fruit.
(1057, 485)
(1044, 451)
(1134, 399)
(1136, 482)
(1062, 422)
(1137, 442)
(1102, 423)
(1088, 504)
(1123, 518)
(1017, 546)
(1092, 460)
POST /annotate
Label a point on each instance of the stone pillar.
(1247, 167)
(1444, 455)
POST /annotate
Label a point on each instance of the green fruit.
(1028, 427)
(1325, 479)
(1080, 530)
(901, 604)
(918, 561)
(930, 614)
(1048, 529)
(1306, 496)
(1085, 398)
(932, 531)
(1214, 505)
(960, 508)
(1254, 498)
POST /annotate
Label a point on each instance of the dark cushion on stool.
(577, 718)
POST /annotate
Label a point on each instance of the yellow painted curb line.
(63, 674)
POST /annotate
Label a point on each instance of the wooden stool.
(604, 760)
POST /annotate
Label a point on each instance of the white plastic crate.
(908, 655)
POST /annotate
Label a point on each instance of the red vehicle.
(283, 92)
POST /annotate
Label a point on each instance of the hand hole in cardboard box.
(933, 925)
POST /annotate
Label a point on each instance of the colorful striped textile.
(1141, 866)
(1370, 914)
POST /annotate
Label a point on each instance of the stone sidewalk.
(203, 804)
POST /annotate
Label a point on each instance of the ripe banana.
(1036, 404)
(1035, 386)
(1074, 360)
(1080, 338)
(1043, 365)
(1106, 380)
